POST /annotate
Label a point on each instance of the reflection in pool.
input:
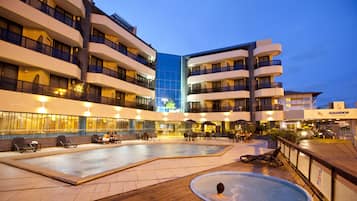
(241, 186)
(86, 163)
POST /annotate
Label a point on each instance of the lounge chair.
(21, 146)
(66, 143)
(270, 157)
(97, 139)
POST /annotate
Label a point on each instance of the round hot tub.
(242, 186)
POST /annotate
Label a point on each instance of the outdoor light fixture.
(117, 116)
(138, 117)
(42, 110)
(87, 113)
(42, 99)
(138, 111)
(203, 114)
(185, 114)
(87, 105)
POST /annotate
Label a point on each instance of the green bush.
(286, 134)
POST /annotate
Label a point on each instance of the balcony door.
(61, 50)
(120, 98)
(95, 65)
(216, 105)
(216, 86)
(216, 67)
(98, 36)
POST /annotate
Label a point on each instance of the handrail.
(29, 87)
(335, 169)
(269, 85)
(218, 89)
(31, 44)
(268, 63)
(100, 69)
(220, 109)
(50, 11)
(117, 47)
(218, 70)
(269, 107)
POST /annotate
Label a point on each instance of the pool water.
(240, 186)
(86, 163)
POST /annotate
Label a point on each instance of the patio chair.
(270, 157)
(97, 139)
(21, 146)
(66, 143)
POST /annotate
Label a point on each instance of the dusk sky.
(319, 37)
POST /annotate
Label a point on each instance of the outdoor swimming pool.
(247, 186)
(86, 163)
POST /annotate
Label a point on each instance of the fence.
(327, 180)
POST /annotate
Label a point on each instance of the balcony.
(221, 89)
(273, 89)
(122, 50)
(76, 7)
(108, 26)
(217, 70)
(37, 54)
(233, 54)
(108, 79)
(228, 72)
(29, 87)
(38, 15)
(106, 71)
(218, 94)
(269, 107)
(112, 52)
(268, 68)
(219, 109)
(269, 49)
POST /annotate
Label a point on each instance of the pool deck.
(164, 179)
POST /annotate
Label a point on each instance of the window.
(216, 86)
(195, 70)
(121, 73)
(264, 59)
(196, 88)
(240, 104)
(95, 61)
(58, 82)
(61, 50)
(98, 36)
(63, 16)
(8, 76)
(120, 97)
(216, 67)
(10, 31)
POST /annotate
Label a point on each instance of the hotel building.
(69, 68)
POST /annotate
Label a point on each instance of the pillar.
(82, 125)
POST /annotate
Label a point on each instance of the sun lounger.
(66, 143)
(270, 157)
(21, 146)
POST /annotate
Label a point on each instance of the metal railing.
(269, 107)
(48, 10)
(28, 43)
(219, 109)
(268, 63)
(217, 70)
(218, 89)
(29, 87)
(327, 180)
(119, 48)
(269, 85)
(143, 83)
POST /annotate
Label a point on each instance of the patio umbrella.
(190, 121)
(209, 123)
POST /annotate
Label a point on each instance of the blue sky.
(319, 37)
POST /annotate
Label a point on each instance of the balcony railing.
(269, 85)
(327, 180)
(43, 7)
(217, 70)
(29, 87)
(219, 109)
(221, 89)
(28, 43)
(121, 50)
(99, 69)
(269, 107)
(268, 63)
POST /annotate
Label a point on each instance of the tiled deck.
(17, 184)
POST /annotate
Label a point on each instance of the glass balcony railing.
(29, 87)
(119, 48)
(268, 63)
(220, 89)
(269, 107)
(219, 109)
(48, 10)
(28, 43)
(217, 70)
(269, 85)
(143, 83)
